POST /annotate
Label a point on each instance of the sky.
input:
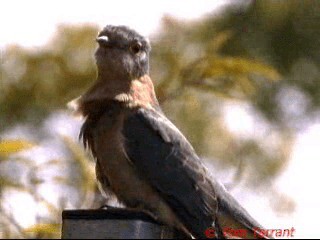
(32, 23)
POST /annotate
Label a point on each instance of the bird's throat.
(132, 93)
(142, 92)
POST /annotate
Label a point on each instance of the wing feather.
(167, 160)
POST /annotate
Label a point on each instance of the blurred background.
(241, 79)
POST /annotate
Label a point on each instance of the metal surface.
(113, 224)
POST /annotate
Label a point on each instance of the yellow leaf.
(228, 74)
(219, 40)
(8, 147)
(4, 182)
(44, 228)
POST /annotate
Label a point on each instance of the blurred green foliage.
(284, 34)
(38, 81)
(27, 176)
(260, 54)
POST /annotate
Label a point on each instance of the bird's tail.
(233, 220)
(228, 227)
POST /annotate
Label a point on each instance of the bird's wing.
(166, 159)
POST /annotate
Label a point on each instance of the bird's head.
(122, 59)
(122, 52)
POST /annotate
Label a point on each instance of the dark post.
(114, 223)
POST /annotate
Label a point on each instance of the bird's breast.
(110, 152)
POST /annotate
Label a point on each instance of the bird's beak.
(102, 40)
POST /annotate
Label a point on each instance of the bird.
(142, 158)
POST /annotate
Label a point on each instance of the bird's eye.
(136, 47)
